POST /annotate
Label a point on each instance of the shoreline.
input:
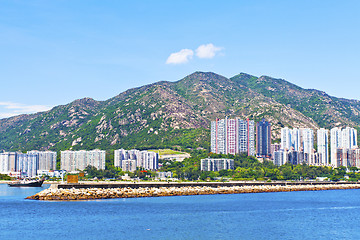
(91, 193)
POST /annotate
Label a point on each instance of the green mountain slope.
(174, 114)
(325, 110)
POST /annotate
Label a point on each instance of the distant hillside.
(175, 114)
(325, 110)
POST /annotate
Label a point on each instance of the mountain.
(175, 114)
(325, 110)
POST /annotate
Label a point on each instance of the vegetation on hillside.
(246, 168)
(175, 115)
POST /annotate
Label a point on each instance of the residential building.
(24, 164)
(297, 139)
(347, 157)
(263, 139)
(232, 136)
(323, 146)
(216, 164)
(164, 175)
(79, 160)
(343, 139)
(8, 162)
(27, 164)
(286, 142)
(275, 147)
(47, 159)
(335, 144)
(246, 138)
(129, 160)
(307, 140)
(128, 165)
(280, 157)
(349, 138)
(218, 136)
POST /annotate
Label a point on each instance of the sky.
(53, 52)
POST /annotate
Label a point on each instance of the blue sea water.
(289, 215)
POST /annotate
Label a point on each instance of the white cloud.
(207, 50)
(10, 109)
(183, 56)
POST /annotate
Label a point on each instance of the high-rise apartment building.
(323, 146)
(280, 157)
(307, 140)
(8, 162)
(28, 163)
(232, 136)
(347, 157)
(218, 136)
(263, 139)
(79, 160)
(274, 148)
(47, 159)
(25, 164)
(349, 138)
(344, 139)
(286, 142)
(335, 144)
(297, 139)
(128, 160)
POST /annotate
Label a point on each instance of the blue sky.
(53, 52)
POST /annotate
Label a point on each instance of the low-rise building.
(164, 175)
(216, 164)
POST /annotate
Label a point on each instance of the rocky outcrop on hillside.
(167, 114)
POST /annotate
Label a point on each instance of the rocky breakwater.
(127, 192)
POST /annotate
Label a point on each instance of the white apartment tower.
(79, 160)
(28, 163)
(215, 164)
(349, 138)
(335, 143)
(47, 159)
(344, 139)
(285, 138)
(128, 160)
(297, 139)
(323, 146)
(307, 140)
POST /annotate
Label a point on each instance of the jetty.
(89, 191)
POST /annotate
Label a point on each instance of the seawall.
(147, 189)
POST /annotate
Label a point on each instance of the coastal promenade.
(88, 191)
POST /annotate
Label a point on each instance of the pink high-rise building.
(233, 136)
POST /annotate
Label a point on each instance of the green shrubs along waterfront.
(4, 177)
(246, 168)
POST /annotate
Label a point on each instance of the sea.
(332, 214)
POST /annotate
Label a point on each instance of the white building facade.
(79, 160)
(323, 146)
(233, 136)
(216, 164)
(129, 160)
(343, 139)
(47, 159)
